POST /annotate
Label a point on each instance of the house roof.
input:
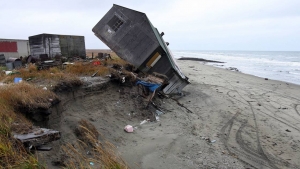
(13, 39)
(166, 49)
(53, 34)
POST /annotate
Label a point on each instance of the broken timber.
(38, 137)
(131, 35)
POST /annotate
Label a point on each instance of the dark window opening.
(115, 23)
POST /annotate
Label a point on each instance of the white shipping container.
(23, 48)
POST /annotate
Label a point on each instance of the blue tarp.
(151, 86)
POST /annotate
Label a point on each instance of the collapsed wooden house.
(132, 36)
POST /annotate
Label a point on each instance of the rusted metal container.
(132, 36)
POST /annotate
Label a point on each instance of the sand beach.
(224, 119)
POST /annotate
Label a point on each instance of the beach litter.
(143, 122)
(8, 72)
(17, 80)
(43, 148)
(213, 141)
(287, 130)
(158, 112)
(157, 118)
(128, 129)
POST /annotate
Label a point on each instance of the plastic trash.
(91, 163)
(8, 72)
(128, 129)
(143, 122)
(17, 80)
(158, 112)
(157, 118)
(118, 104)
(44, 88)
(213, 141)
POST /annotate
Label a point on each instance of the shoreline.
(199, 59)
(211, 63)
(277, 65)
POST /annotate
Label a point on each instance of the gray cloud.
(190, 24)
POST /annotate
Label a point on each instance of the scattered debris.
(41, 65)
(213, 141)
(287, 130)
(266, 79)
(146, 87)
(143, 122)
(38, 137)
(94, 74)
(43, 148)
(96, 62)
(158, 112)
(128, 129)
(8, 72)
(17, 79)
(157, 118)
(233, 69)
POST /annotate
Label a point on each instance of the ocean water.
(276, 65)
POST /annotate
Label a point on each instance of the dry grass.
(116, 60)
(102, 155)
(12, 97)
(86, 69)
(58, 73)
(15, 97)
(26, 95)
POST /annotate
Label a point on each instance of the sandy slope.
(255, 122)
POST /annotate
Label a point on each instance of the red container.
(96, 63)
(7, 46)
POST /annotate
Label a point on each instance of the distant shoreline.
(199, 59)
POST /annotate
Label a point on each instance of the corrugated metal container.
(2, 60)
(57, 45)
(10, 66)
(14, 48)
(16, 63)
(132, 36)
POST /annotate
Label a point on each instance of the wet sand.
(236, 121)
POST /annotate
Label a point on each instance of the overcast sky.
(264, 25)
